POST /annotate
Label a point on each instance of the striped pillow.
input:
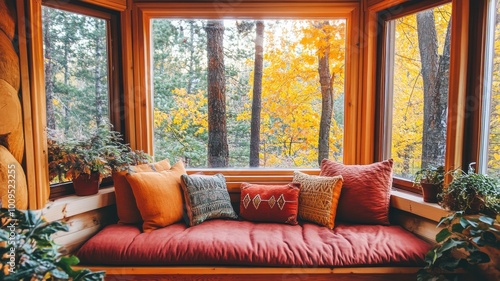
(206, 198)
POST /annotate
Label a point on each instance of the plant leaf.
(489, 238)
(452, 243)
(87, 275)
(457, 227)
(487, 220)
(479, 241)
(478, 257)
(442, 235)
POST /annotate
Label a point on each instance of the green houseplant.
(87, 160)
(431, 181)
(471, 231)
(28, 252)
(472, 193)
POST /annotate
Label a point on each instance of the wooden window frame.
(142, 13)
(33, 88)
(476, 141)
(378, 13)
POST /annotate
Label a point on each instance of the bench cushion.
(226, 242)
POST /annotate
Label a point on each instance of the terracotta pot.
(86, 184)
(430, 192)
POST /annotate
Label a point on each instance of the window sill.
(72, 205)
(413, 203)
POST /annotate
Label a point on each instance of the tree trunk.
(67, 116)
(257, 95)
(326, 80)
(435, 74)
(97, 78)
(191, 74)
(49, 75)
(218, 155)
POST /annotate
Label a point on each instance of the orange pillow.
(319, 197)
(158, 196)
(270, 203)
(366, 191)
(127, 210)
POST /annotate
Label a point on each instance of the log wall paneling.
(11, 124)
(12, 176)
(7, 18)
(83, 226)
(9, 62)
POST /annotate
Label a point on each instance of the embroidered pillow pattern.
(270, 203)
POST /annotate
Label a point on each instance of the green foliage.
(291, 99)
(472, 193)
(76, 71)
(434, 175)
(459, 245)
(29, 253)
(103, 151)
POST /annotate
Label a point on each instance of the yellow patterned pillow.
(318, 198)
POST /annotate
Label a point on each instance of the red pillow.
(365, 196)
(270, 203)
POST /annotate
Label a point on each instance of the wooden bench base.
(256, 273)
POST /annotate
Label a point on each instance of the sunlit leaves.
(408, 91)
(291, 94)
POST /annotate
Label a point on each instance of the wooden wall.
(12, 176)
(84, 215)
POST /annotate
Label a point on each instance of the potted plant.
(471, 231)
(471, 193)
(462, 244)
(87, 160)
(431, 181)
(28, 252)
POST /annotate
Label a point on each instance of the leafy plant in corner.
(29, 253)
(472, 193)
(459, 245)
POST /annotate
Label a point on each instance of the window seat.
(223, 243)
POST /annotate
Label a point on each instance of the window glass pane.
(76, 73)
(417, 90)
(193, 59)
(493, 103)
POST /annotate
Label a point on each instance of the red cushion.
(229, 242)
(270, 203)
(365, 195)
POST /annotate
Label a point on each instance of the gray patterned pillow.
(206, 198)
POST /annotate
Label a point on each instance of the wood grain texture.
(12, 179)
(8, 18)
(11, 135)
(73, 205)
(9, 62)
(424, 228)
(40, 191)
(117, 5)
(254, 277)
(457, 96)
(257, 273)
